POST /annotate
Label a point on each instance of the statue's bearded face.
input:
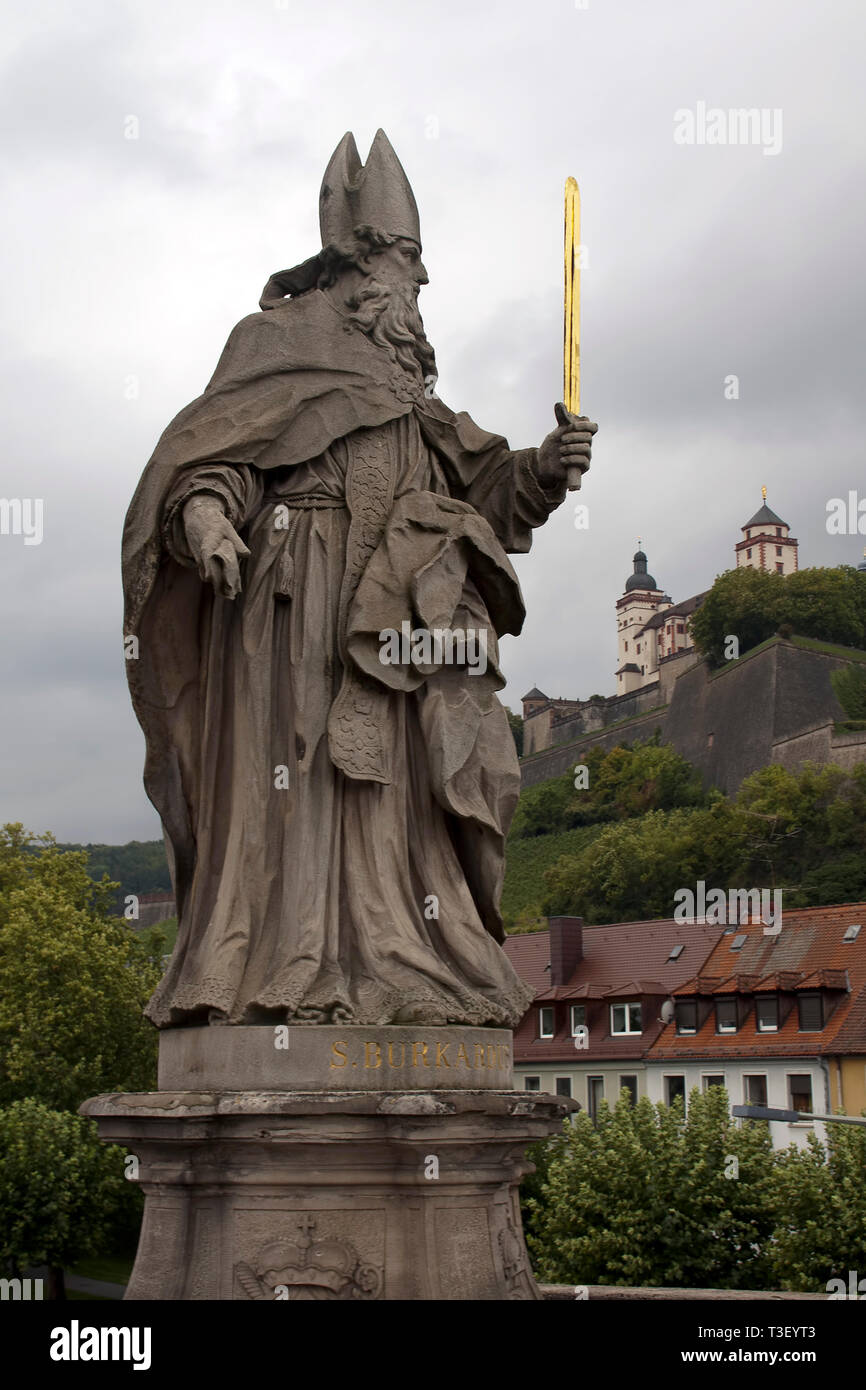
(385, 305)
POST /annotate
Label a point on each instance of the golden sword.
(571, 335)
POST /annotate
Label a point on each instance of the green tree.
(742, 603)
(849, 684)
(516, 722)
(73, 981)
(60, 1189)
(821, 1201)
(634, 868)
(646, 1196)
(826, 603)
(618, 784)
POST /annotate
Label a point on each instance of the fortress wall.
(554, 761)
(776, 705)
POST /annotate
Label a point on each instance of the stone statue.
(316, 573)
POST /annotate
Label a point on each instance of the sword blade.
(571, 336)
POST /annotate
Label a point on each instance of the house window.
(748, 554)
(716, 1079)
(532, 1083)
(680, 628)
(800, 1092)
(545, 1023)
(675, 1089)
(778, 550)
(625, 1018)
(778, 531)
(767, 1014)
(686, 1015)
(726, 1015)
(626, 646)
(578, 1018)
(594, 1095)
(637, 648)
(780, 568)
(563, 1085)
(755, 1090)
(629, 1083)
(811, 1010)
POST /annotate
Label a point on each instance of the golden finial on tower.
(764, 493)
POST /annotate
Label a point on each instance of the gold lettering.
(402, 1061)
(372, 1050)
(479, 1054)
(461, 1052)
(492, 1056)
(337, 1053)
(423, 1047)
(441, 1059)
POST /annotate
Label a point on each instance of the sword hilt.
(565, 417)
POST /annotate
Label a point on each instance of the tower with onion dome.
(637, 644)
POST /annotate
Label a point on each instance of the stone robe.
(336, 825)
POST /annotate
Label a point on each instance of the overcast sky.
(126, 263)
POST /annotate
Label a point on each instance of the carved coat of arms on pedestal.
(309, 1268)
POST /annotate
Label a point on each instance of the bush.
(641, 1198)
(63, 1194)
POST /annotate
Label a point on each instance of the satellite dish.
(668, 1011)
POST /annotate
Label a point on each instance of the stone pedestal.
(366, 1190)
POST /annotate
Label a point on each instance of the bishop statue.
(335, 804)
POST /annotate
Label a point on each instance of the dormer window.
(545, 1022)
(726, 1015)
(767, 1015)
(625, 1019)
(578, 1018)
(811, 1011)
(686, 1011)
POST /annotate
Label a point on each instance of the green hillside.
(525, 863)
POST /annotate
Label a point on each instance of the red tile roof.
(808, 953)
(621, 960)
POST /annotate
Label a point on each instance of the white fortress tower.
(767, 543)
(637, 654)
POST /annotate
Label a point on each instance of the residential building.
(599, 991)
(779, 1020)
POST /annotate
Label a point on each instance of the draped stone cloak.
(335, 825)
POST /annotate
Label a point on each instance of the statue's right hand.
(214, 544)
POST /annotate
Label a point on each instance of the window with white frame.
(767, 1014)
(532, 1083)
(726, 1015)
(545, 1022)
(712, 1079)
(625, 1019)
(578, 1018)
(686, 1014)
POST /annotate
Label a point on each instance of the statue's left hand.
(568, 446)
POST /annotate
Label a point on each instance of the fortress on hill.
(775, 704)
